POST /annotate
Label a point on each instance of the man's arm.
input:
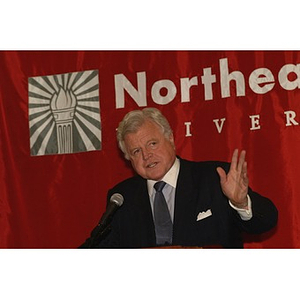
(263, 214)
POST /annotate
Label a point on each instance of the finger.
(234, 159)
(241, 161)
(244, 172)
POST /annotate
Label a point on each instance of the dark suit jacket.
(198, 190)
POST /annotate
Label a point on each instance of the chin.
(155, 177)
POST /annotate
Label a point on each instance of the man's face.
(150, 152)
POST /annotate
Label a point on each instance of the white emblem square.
(64, 113)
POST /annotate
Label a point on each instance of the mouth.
(152, 165)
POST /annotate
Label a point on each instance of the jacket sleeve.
(265, 215)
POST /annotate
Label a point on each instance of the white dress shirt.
(170, 188)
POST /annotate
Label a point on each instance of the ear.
(171, 139)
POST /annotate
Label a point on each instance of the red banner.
(52, 195)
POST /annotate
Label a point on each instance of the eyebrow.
(147, 143)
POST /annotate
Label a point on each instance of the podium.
(188, 247)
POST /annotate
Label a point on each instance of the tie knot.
(159, 186)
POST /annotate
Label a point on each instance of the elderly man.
(172, 201)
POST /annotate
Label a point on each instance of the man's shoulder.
(130, 188)
(129, 183)
(204, 170)
(131, 180)
(203, 165)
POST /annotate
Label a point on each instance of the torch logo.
(63, 107)
(64, 113)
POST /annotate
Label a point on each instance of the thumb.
(222, 175)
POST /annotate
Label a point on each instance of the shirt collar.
(170, 177)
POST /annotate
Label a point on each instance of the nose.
(146, 154)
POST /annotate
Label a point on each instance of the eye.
(135, 152)
(153, 144)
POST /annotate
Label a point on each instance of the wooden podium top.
(188, 247)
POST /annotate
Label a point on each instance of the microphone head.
(117, 199)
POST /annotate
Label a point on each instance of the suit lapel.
(142, 205)
(185, 199)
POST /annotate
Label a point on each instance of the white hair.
(135, 119)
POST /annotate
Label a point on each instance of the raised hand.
(235, 184)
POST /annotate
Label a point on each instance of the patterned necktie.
(162, 219)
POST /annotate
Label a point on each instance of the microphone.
(102, 229)
(115, 201)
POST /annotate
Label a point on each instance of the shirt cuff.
(245, 214)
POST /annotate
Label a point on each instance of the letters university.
(164, 91)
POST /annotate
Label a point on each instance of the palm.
(235, 184)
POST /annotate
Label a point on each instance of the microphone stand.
(103, 227)
(97, 235)
(101, 231)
